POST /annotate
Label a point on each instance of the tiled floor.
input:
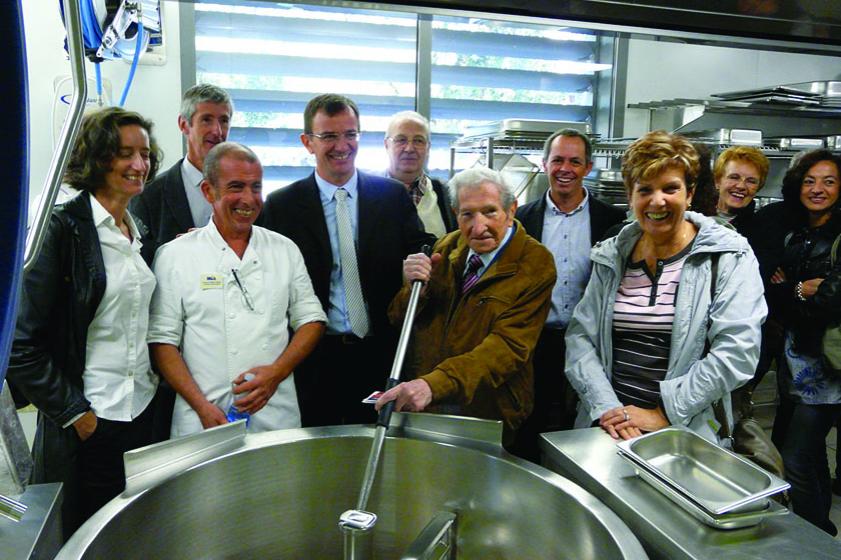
(764, 399)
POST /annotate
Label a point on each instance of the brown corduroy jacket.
(475, 351)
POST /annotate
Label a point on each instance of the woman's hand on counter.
(631, 421)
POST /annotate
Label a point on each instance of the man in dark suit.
(354, 231)
(173, 204)
(569, 222)
(407, 142)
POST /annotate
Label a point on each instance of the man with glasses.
(227, 296)
(354, 229)
(407, 142)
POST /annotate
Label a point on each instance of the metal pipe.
(35, 235)
(385, 412)
(357, 524)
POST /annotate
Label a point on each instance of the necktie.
(350, 272)
(470, 276)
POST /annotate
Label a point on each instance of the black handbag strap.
(718, 405)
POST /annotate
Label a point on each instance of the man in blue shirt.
(568, 221)
(354, 229)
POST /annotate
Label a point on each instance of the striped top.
(643, 313)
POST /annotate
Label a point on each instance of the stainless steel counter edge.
(588, 457)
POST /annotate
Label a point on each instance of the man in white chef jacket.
(227, 294)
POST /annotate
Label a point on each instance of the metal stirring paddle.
(357, 523)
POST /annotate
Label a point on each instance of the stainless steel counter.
(38, 535)
(588, 457)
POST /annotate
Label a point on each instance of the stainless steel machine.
(279, 495)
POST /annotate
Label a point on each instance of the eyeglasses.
(749, 181)
(333, 137)
(245, 295)
(402, 141)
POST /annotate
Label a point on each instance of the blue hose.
(137, 52)
(98, 80)
(92, 33)
(90, 27)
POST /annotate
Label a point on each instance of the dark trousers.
(91, 471)
(162, 407)
(340, 372)
(804, 454)
(102, 474)
(554, 398)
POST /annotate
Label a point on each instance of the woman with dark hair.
(670, 320)
(79, 353)
(805, 293)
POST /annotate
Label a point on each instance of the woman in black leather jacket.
(805, 293)
(79, 353)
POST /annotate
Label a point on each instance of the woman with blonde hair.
(670, 321)
(740, 173)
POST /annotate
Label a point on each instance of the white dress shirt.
(118, 379)
(200, 208)
(428, 210)
(199, 307)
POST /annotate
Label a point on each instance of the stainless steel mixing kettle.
(279, 495)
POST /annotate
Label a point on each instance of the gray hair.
(408, 116)
(214, 158)
(569, 133)
(475, 177)
(203, 93)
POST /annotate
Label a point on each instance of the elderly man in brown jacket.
(485, 300)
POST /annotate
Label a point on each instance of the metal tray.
(803, 89)
(740, 136)
(717, 480)
(796, 143)
(523, 127)
(725, 521)
(833, 142)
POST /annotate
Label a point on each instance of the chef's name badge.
(211, 281)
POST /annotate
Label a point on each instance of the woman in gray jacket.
(655, 340)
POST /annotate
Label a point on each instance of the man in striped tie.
(485, 299)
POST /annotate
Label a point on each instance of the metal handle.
(402, 344)
(393, 379)
(35, 236)
(11, 509)
(436, 541)
(357, 538)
